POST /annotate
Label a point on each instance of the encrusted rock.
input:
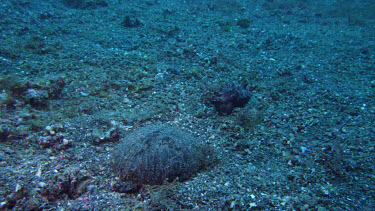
(228, 98)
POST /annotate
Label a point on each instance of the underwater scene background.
(187, 105)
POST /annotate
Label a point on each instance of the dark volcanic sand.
(77, 76)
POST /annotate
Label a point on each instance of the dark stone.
(125, 187)
(56, 87)
(4, 133)
(244, 23)
(174, 71)
(128, 22)
(45, 15)
(16, 197)
(227, 99)
(37, 98)
(85, 4)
